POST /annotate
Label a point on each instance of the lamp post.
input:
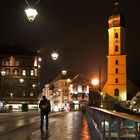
(98, 97)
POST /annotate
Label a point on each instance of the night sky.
(77, 29)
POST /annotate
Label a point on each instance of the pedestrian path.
(67, 126)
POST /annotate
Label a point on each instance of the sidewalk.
(70, 126)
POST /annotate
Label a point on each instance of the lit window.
(32, 72)
(17, 63)
(7, 63)
(15, 72)
(80, 89)
(7, 72)
(31, 94)
(24, 72)
(35, 72)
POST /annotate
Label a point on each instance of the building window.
(31, 94)
(84, 88)
(116, 80)
(23, 93)
(75, 88)
(32, 73)
(116, 48)
(17, 63)
(3, 63)
(16, 72)
(116, 70)
(116, 92)
(23, 72)
(116, 62)
(7, 63)
(7, 72)
(116, 35)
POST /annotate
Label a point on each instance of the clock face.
(116, 41)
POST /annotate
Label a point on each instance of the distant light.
(21, 80)
(3, 72)
(31, 13)
(76, 102)
(95, 82)
(68, 80)
(64, 72)
(39, 59)
(33, 85)
(54, 55)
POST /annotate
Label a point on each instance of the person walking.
(45, 108)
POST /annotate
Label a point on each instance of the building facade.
(19, 76)
(116, 84)
(67, 91)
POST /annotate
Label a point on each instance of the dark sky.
(76, 28)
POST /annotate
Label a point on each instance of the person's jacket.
(43, 103)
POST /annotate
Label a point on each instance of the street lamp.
(31, 12)
(3, 72)
(54, 55)
(95, 82)
(64, 72)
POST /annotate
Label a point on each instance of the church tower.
(116, 84)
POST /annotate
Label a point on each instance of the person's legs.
(47, 121)
(41, 120)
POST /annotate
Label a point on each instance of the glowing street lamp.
(54, 55)
(95, 82)
(31, 13)
(64, 72)
(3, 72)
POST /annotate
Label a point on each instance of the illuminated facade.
(67, 91)
(116, 84)
(19, 77)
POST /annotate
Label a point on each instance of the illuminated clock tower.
(116, 84)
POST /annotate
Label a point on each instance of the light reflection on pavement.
(65, 126)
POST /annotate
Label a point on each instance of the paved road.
(64, 126)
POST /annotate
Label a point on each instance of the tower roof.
(116, 19)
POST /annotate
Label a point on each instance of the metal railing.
(111, 125)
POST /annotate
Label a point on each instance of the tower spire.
(117, 2)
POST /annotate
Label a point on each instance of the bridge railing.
(112, 125)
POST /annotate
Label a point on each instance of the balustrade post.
(109, 131)
(136, 129)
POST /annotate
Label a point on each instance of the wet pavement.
(72, 126)
(64, 126)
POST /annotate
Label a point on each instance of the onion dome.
(116, 20)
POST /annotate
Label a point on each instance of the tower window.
(116, 70)
(116, 92)
(116, 35)
(116, 62)
(116, 48)
(116, 80)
